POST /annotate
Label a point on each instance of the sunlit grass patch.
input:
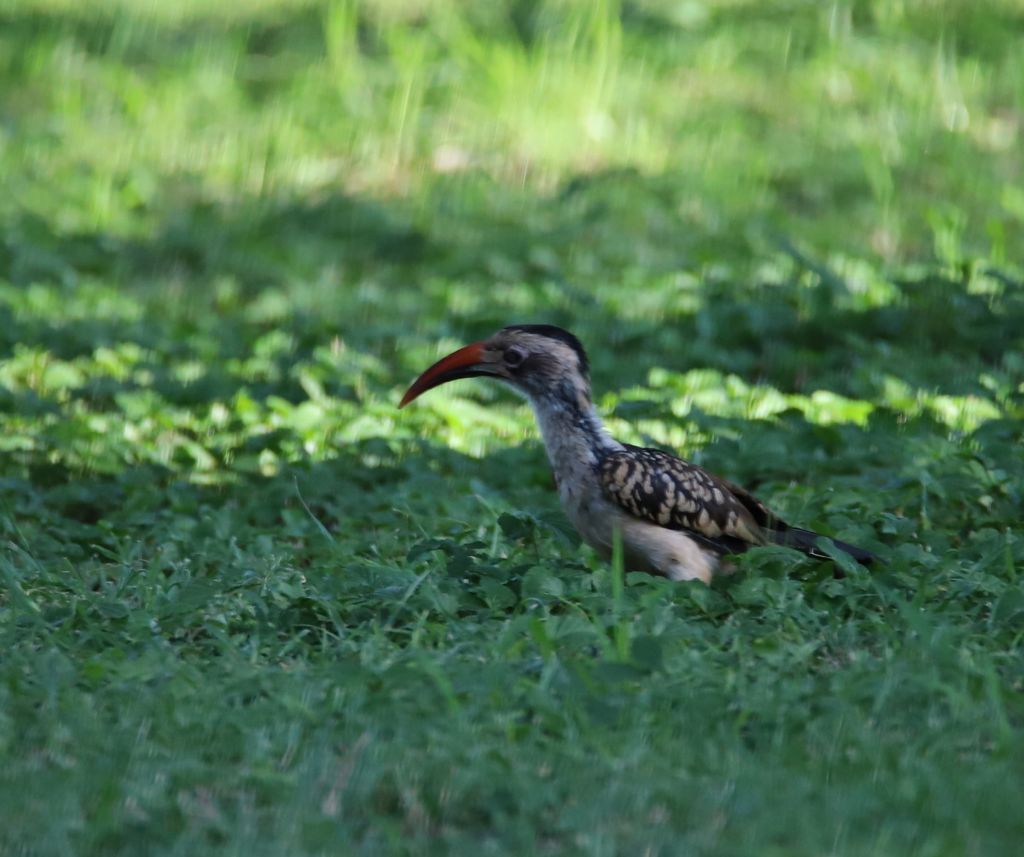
(533, 99)
(730, 396)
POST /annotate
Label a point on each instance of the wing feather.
(665, 490)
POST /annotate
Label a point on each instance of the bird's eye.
(514, 356)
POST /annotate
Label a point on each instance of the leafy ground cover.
(246, 606)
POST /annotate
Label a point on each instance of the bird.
(671, 517)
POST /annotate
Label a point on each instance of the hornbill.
(673, 517)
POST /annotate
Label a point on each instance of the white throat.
(575, 438)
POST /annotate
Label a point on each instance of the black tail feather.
(804, 540)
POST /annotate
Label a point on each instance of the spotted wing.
(673, 493)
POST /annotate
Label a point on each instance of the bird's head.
(544, 362)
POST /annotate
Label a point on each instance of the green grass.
(249, 607)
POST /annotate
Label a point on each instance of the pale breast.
(590, 512)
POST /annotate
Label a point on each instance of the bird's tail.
(804, 540)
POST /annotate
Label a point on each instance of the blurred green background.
(246, 606)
